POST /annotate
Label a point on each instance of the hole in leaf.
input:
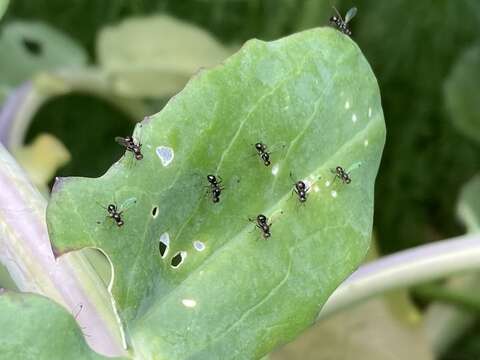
(163, 244)
(32, 46)
(155, 211)
(163, 249)
(178, 259)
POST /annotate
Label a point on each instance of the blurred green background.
(426, 55)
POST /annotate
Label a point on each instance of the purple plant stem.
(406, 268)
(22, 104)
(9, 111)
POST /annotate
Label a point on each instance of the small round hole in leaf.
(155, 212)
(33, 47)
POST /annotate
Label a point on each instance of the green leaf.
(30, 47)
(314, 100)
(6, 280)
(155, 56)
(33, 327)
(468, 208)
(461, 93)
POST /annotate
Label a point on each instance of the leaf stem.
(23, 103)
(405, 269)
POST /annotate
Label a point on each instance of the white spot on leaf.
(347, 105)
(165, 154)
(316, 188)
(275, 169)
(327, 183)
(365, 143)
(354, 118)
(369, 112)
(165, 238)
(190, 303)
(198, 245)
(334, 194)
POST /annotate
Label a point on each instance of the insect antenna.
(337, 12)
(103, 207)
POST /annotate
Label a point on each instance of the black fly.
(342, 175)
(262, 223)
(129, 144)
(301, 189)
(215, 187)
(341, 24)
(113, 213)
(263, 153)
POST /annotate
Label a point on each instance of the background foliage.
(412, 66)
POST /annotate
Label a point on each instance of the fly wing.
(120, 140)
(280, 146)
(350, 14)
(128, 203)
(338, 14)
(354, 167)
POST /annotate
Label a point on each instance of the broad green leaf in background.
(39, 329)
(30, 47)
(469, 205)
(461, 93)
(155, 56)
(230, 21)
(218, 290)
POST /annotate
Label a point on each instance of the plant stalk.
(405, 269)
